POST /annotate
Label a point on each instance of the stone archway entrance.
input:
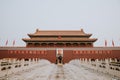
(59, 56)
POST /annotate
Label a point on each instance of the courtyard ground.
(44, 70)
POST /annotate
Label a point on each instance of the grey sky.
(20, 17)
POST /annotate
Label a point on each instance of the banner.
(6, 43)
(13, 42)
(112, 43)
(105, 43)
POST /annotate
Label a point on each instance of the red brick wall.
(51, 54)
(4, 54)
(67, 56)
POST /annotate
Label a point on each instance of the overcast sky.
(20, 17)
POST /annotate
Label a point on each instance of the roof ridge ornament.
(82, 30)
(37, 30)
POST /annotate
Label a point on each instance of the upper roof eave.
(59, 33)
(35, 35)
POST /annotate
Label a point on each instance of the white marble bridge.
(44, 70)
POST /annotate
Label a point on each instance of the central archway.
(59, 56)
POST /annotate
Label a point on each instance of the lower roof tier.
(63, 39)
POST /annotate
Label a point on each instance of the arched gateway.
(60, 46)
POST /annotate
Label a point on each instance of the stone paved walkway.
(48, 71)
